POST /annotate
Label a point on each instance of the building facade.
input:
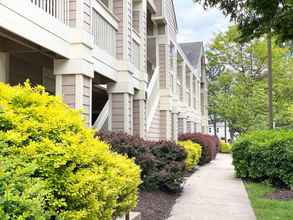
(222, 132)
(117, 60)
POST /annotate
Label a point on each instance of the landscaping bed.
(156, 205)
(267, 205)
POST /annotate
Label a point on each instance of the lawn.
(267, 209)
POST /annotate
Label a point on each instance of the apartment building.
(117, 60)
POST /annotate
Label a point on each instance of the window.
(210, 130)
(218, 130)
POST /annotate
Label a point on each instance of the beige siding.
(159, 6)
(165, 125)
(72, 13)
(163, 57)
(129, 28)
(130, 114)
(87, 15)
(86, 105)
(153, 133)
(136, 117)
(117, 112)
(68, 90)
(144, 40)
(118, 11)
(171, 18)
(174, 126)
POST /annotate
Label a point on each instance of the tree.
(237, 94)
(258, 17)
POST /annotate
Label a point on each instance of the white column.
(4, 67)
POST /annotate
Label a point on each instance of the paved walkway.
(213, 193)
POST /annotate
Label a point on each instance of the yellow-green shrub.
(193, 151)
(225, 147)
(52, 167)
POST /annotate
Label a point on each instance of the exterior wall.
(113, 45)
(139, 117)
(117, 119)
(220, 130)
(154, 131)
(121, 112)
(165, 125)
(76, 92)
(163, 63)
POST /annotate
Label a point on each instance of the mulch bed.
(156, 205)
(281, 195)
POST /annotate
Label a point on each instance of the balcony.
(58, 9)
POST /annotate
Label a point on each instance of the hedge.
(209, 144)
(225, 147)
(193, 151)
(162, 163)
(52, 167)
(265, 155)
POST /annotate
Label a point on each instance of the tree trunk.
(270, 81)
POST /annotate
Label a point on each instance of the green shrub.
(193, 151)
(209, 144)
(52, 167)
(265, 155)
(225, 147)
(162, 163)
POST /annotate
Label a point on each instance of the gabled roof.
(193, 52)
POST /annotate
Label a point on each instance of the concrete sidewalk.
(213, 193)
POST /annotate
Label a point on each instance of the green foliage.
(193, 151)
(52, 167)
(238, 94)
(265, 155)
(225, 147)
(266, 208)
(209, 145)
(256, 18)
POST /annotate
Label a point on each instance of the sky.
(196, 24)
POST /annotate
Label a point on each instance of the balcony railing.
(104, 33)
(153, 94)
(58, 9)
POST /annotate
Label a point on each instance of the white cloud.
(196, 24)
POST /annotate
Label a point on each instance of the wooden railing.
(58, 9)
(104, 33)
(153, 97)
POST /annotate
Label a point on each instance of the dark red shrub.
(210, 145)
(162, 163)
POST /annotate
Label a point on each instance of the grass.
(267, 209)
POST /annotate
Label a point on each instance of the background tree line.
(238, 86)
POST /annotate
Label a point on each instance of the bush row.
(225, 147)
(193, 151)
(162, 163)
(209, 144)
(265, 155)
(52, 167)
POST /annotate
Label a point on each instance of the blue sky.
(195, 24)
